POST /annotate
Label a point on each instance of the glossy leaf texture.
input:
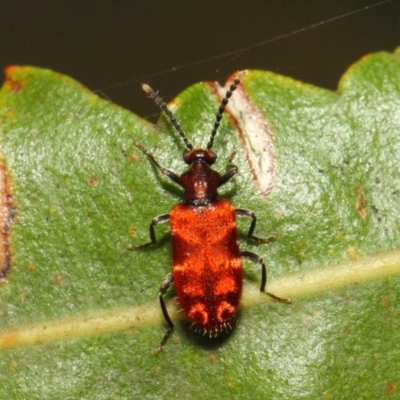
(79, 316)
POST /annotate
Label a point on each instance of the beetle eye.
(185, 155)
(212, 157)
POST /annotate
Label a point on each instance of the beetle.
(207, 266)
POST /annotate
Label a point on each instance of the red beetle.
(207, 266)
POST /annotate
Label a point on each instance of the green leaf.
(79, 315)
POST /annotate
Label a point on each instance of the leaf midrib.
(297, 285)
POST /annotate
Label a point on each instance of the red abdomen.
(207, 266)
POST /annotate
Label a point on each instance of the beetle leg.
(160, 219)
(226, 177)
(241, 212)
(231, 168)
(166, 283)
(170, 174)
(256, 258)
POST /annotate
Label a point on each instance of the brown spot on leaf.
(11, 82)
(58, 278)
(93, 180)
(31, 267)
(360, 205)
(7, 214)
(391, 388)
(132, 157)
(353, 254)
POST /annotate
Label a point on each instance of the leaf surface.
(79, 313)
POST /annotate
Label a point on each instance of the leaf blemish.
(7, 215)
(360, 205)
(13, 84)
(255, 134)
(93, 180)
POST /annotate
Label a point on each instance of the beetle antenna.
(224, 102)
(161, 104)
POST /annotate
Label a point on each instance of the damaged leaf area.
(7, 215)
(79, 315)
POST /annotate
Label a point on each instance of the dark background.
(112, 46)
